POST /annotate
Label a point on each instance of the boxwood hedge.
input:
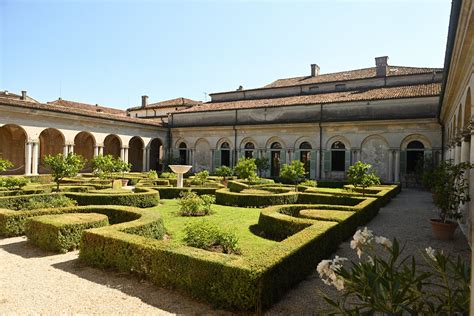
(62, 233)
(142, 197)
(225, 197)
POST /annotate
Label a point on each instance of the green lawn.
(237, 219)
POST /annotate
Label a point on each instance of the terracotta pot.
(443, 231)
(125, 182)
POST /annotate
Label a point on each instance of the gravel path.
(34, 281)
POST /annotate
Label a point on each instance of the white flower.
(327, 271)
(431, 253)
(361, 239)
(383, 241)
(370, 260)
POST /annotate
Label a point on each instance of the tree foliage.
(246, 168)
(293, 172)
(5, 164)
(263, 164)
(224, 171)
(360, 175)
(64, 166)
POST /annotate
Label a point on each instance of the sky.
(113, 52)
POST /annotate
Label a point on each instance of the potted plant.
(449, 193)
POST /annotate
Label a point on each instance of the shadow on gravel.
(146, 291)
(26, 250)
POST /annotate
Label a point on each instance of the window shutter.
(217, 159)
(403, 162)
(296, 155)
(312, 165)
(347, 162)
(282, 158)
(327, 161)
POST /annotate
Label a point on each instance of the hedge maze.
(284, 233)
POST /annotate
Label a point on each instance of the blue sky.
(112, 52)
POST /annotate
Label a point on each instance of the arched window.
(305, 155)
(183, 154)
(275, 159)
(415, 156)
(225, 154)
(338, 155)
(249, 149)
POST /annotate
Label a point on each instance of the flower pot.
(443, 231)
(125, 182)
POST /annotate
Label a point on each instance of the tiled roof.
(88, 107)
(170, 103)
(75, 110)
(349, 75)
(14, 96)
(385, 93)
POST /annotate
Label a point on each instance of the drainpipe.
(235, 138)
(320, 141)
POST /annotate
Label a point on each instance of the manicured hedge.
(331, 184)
(152, 182)
(62, 233)
(132, 220)
(142, 197)
(225, 197)
(237, 186)
(173, 193)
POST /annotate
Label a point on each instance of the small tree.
(224, 172)
(246, 168)
(263, 164)
(105, 166)
(293, 172)
(122, 167)
(5, 164)
(62, 167)
(359, 175)
(450, 189)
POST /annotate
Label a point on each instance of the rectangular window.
(340, 87)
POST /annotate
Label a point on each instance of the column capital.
(32, 141)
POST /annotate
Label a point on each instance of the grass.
(237, 219)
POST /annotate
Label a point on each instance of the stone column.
(465, 148)
(71, 149)
(96, 151)
(125, 154)
(28, 152)
(35, 158)
(65, 150)
(144, 159)
(390, 165)
(457, 153)
(396, 176)
(323, 172)
(318, 172)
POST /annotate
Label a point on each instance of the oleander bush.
(62, 233)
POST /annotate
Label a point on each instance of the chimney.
(23, 95)
(381, 66)
(314, 70)
(144, 101)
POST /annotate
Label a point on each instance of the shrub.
(246, 168)
(224, 172)
(62, 233)
(359, 175)
(263, 164)
(64, 166)
(191, 204)
(168, 175)
(5, 164)
(152, 174)
(293, 172)
(208, 236)
(13, 182)
(47, 201)
(225, 197)
(309, 183)
(200, 177)
(105, 166)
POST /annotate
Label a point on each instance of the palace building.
(394, 117)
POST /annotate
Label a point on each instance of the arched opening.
(84, 145)
(467, 109)
(156, 155)
(249, 148)
(51, 143)
(275, 159)
(338, 156)
(183, 154)
(12, 147)
(225, 154)
(415, 156)
(135, 153)
(112, 146)
(305, 156)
